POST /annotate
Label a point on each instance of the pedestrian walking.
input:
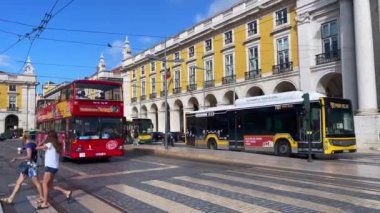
(136, 136)
(27, 168)
(52, 149)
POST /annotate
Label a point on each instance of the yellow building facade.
(18, 99)
(250, 49)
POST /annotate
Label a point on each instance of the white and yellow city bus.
(275, 123)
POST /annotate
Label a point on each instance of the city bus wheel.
(283, 148)
(212, 144)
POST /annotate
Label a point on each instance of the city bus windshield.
(94, 91)
(145, 126)
(98, 128)
(339, 120)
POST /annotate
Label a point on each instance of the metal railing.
(177, 90)
(209, 83)
(153, 95)
(228, 79)
(162, 93)
(133, 100)
(191, 87)
(143, 97)
(253, 74)
(327, 57)
(12, 108)
(283, 67)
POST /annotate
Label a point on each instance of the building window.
(176, 55)
(282, 17)
(163, 76)
(134, 74)
(228, 37)
(163, 65)
(283, 51)
(192, 75)
(229, 65)
(208, 45)
(191, 52)
(177, 79)
(152, 66)
(252, 28)
(253, 59)
(153, 84)
(134, 92)
(142, 87)
(12, 102)
(330, 37)
(142, 70)
(12, 87)
(209, 71)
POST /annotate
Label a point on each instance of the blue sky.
(60, 55)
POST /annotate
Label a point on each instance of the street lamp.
(203, 89)
(156, 58)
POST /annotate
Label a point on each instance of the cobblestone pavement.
(149, 183)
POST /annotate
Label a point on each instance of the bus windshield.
(145, 126)
(339, 120)
(98, 92)
(98, 128)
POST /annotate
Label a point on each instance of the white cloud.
(113, 54)
(4, 61)
(146, 40)
(216, 7)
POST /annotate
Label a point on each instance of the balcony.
(253, 74)
(162, 93)
(142, 98)
(153, 96)
(327, 57)
(229, 79)
(177, 90)
(209, 83)
(283, 67)
(133, 100)
(191, 87)
(14, 109)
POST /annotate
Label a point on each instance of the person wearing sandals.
(52, 149)
(28, 170)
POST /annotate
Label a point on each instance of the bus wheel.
(212, 144)
(283, 148)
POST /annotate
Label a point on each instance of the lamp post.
(204, 86)
(156, 58)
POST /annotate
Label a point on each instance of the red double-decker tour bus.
(88, 117)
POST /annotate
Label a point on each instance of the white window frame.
(257, 28)
(206, 69)
(134, 89)
(211, 43)
(11, 86)
(275, 17)
(289, 55)
(189, 49)
(253, 45)
(143, 70)
(177, 54)
(177, 78)
(15, 101)
(143, 89)
(232, 38)
(278, 36)
(329, 37)
(153, 84)
(133, 74)
(233, 63)
(153, 66)
(191, 67)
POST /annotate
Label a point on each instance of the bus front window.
(86, 128)
(339, 123)
(111, 128)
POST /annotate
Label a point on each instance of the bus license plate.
(100, 154)
(82, 155)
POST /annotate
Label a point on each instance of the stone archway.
(177, 120)
(284, 86)
(193, 104)
(144, 112)
(254, 91)
(210, 101)
(135, 112)
(331, 85)
(11, 122)
(228, 98)
(153, 115)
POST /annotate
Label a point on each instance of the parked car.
(157, 136)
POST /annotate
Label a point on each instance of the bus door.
(69, 136)
(236, 130)
(316, 136)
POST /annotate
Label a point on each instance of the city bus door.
(316, 134)
(236, 128)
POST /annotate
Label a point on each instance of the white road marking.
(92, 203)
(32, 200)
(152, 199)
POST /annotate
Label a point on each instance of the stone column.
(348, 53)
(174, 120)
(161, 120)
(365, 63)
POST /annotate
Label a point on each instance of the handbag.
(23, 167)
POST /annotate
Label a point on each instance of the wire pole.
(166, 100)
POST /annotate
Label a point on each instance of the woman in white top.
(52, 149)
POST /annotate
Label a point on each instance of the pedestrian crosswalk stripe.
(92, 203)
(344, 198)
(325, 184)
(259, 194)
(209, 197)
(32, 200)
(152, 199)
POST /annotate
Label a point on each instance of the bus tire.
(283, 148)
(212, 144)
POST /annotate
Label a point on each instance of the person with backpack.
(27, 168)
(52, 149)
